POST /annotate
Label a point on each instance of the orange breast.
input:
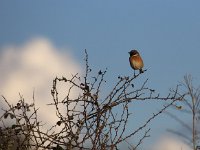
(136, 62)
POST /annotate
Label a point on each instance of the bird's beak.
(129, 52)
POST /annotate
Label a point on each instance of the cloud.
(170, 143)
(32, 67)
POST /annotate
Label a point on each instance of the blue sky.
(166, 33)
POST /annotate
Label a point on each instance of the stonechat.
(136, 61)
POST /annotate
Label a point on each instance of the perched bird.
(136, 61)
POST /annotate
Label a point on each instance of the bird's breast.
(136, 62)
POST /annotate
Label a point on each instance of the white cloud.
(33, 66)
(170, 143)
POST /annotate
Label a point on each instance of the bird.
(136, 61)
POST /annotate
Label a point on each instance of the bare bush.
(191, 106)
(89, 121)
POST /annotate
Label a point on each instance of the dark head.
(133, 53)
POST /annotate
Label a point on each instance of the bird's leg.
(134, 73)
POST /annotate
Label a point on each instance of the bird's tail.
(141, 71)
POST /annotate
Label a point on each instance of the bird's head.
(133, 53)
